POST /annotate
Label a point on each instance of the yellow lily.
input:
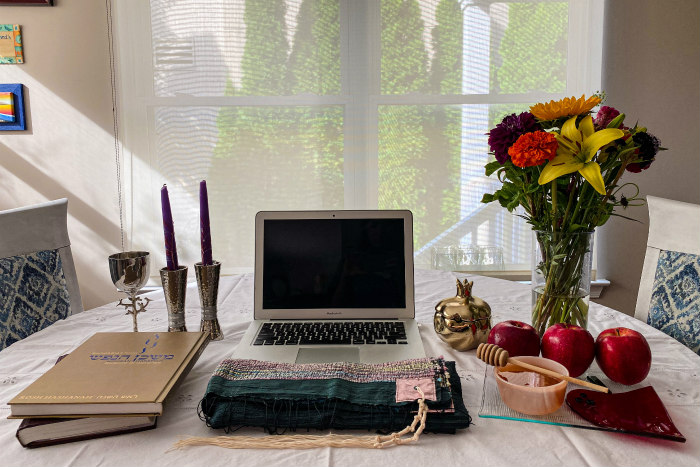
(577, 147)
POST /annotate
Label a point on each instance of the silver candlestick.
(129, 272)
(174, 288)
(208, 284)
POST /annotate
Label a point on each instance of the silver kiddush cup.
(129, 273)
(208, 284)
(174, 288)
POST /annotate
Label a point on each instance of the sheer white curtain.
(336, 104)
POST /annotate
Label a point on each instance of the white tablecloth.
(486, 442)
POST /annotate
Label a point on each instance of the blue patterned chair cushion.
(33, 294)
(675, 299)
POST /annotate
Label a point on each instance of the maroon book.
(38, 432)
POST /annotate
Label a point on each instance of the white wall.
(651, 71)
(68, 148)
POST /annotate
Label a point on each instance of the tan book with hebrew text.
(112, 373)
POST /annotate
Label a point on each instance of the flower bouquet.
(563, 167)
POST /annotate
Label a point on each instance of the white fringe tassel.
(312, 441)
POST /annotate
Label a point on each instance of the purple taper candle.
(204, 229)
(168, 230)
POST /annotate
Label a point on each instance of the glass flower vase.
(561, 278)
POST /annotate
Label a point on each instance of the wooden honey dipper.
(494, 355)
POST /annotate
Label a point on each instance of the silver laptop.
(333, 286)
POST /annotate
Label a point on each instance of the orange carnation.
(533, 149)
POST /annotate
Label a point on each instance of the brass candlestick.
(174, 288)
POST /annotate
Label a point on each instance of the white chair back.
(33, 237)
(669, 294)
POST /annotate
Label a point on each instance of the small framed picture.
(11, 44)
(11, 107)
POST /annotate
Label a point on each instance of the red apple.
(570, 345)
(623, 354)
(516, 337)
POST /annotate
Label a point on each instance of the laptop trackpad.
(328, 355)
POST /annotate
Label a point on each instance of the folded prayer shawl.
(284, 396)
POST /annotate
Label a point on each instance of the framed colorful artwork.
(10, 44)
(11, 107)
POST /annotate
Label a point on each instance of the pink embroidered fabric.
(406, 389)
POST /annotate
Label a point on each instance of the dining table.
(489, 440)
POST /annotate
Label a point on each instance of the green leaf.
(617, 121)
(487, 198)
(603, 219)
(513, 204)
(625, 152)
(491, 167)
(533, 188)
(625, 217)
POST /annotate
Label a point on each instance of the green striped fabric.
(281, 397)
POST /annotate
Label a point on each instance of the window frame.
(360, 54)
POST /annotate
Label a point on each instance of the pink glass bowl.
(532, 400)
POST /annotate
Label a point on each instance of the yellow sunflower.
(563, 108)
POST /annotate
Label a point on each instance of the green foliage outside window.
(531, 56)
(403, 141)
(533, 49)
(419, 146)
(258, 136)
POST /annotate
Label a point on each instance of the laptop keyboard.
(337, 333)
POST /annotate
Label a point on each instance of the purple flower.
(648, 147)
(508, 131)
(604, 116)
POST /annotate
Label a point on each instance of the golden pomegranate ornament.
(464, 321)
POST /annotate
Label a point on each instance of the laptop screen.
(334, 264)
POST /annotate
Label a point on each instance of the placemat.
(492, 405)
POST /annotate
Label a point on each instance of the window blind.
(336, 104)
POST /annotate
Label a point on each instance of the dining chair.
(38, 283)
(669, 291)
